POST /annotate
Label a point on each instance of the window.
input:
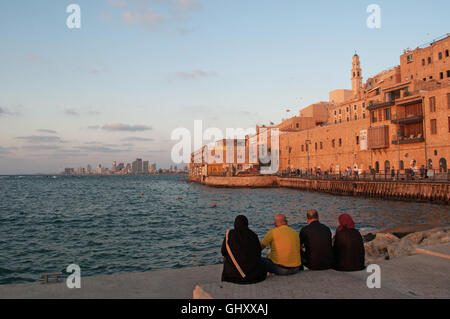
(432, 104)
(431, 77)
(446, 53)
(340, 111)
(356, 117)
(303, 148)
(333, 143)
(357, 140)
(440, 55)
(441, 75)
(347, 109)
(448, 100)
(340, 142)
(424, 79)
(423, 61)
(448, 73)
(409, 58)
(449, 124)
(321, 145)
(387, 114)
(335, 121)
(429, 60)
(364, 105)
(297, 125)
(315, 146)
(412, 76)
(348, 119)
(374, 117)
(356, 107)
(433, 127)
(364, 115)
(335, 113)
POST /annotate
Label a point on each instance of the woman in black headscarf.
(244, 264)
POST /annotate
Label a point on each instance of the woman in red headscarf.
(349, 253)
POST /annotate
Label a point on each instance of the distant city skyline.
(136, 70)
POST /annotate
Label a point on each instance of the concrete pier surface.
(423, 275)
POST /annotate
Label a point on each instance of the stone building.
(397, 119)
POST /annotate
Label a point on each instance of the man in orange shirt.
(284, 242)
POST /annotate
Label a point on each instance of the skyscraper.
(136, 166)
(145, 167)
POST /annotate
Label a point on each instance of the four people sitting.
(290, 251)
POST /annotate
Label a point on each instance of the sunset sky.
(115, 89)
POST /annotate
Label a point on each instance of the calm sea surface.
(106, 225)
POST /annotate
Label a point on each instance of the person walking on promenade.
(241, 250)
(393, 173)
(317, 250)
(349, 253)
(284, 258)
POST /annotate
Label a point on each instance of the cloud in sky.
(196, 74)
(151, 13)
(188, 5)
(46, 131)
(41, 139)
(102, 149)
(119, 127)
(71, 112)
(33, 58)
(137, 139)
(147, 18)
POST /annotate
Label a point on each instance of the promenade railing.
(380, 176)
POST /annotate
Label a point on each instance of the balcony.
(408, 119)
(407, 139)
(380, 105)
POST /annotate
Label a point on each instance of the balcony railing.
(408, 119)
(407, 139)
(375, 106)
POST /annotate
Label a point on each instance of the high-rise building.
(114, 167)
(136, 166)
(88, 169)
(145, 167)
(153, 167)
(99, 169)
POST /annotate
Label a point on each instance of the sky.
(116, 88)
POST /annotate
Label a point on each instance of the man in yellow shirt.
(284, 245)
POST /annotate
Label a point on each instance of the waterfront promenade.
(415, 190)
(423, 275)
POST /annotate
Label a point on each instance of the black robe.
(246, 249)
(349, 252)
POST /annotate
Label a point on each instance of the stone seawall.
(250, 181)
(415, 191)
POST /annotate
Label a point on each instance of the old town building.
(397, 119)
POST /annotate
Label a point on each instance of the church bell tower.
(356, 76)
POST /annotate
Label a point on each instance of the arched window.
(387, 167)
(430, 164)
(377, 167)
(443, 165)
(402, 165)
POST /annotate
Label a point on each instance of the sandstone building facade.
(397, 119)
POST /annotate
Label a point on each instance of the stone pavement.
(417, 276)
